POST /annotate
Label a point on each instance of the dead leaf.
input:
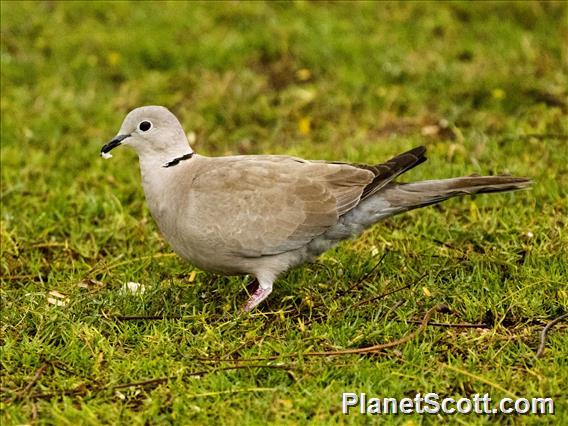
(90, 283)
(56, 302)
(133, 288)
(55, 293)
(430, 130)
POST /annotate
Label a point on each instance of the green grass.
(482, 85)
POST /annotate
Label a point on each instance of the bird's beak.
(113, 143)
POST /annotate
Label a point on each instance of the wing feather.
(269, 205)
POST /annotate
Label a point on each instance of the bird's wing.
(265, 205)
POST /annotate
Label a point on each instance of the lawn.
(482, 85)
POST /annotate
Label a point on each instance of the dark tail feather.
(387, 172)
(408, 196)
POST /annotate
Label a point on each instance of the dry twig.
(444, 324)
(150, 382)
(145, 318)
(367, 275)
(39, 372)
(544, 332)
(367, 349)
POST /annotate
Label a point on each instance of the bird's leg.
(252, 287)
(260, 293)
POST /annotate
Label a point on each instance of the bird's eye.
(144, 126)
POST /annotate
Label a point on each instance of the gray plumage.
(264, 214)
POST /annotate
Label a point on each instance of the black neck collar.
(176, 160)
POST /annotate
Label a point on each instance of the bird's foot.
(257, 297)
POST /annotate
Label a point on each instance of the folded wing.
(266, 205)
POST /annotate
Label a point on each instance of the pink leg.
(260, 293)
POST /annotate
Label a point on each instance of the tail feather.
(408, 196)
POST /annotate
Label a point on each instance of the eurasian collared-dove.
(264, 214)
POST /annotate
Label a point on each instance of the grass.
(482, 85)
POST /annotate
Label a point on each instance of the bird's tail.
(407, 196)
(395, 198)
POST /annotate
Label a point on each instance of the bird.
(261, 215)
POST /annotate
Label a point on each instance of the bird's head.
(154, 133)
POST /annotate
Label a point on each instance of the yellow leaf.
(426, 292)
(563, 296)
(303, 74)
(381, 91)
(305, 125)
(192, 276)
(473, 211)
(113, 58)
(498, 94)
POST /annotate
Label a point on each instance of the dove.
(261, 215)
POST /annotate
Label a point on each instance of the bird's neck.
(149, 161)
(160, 176)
